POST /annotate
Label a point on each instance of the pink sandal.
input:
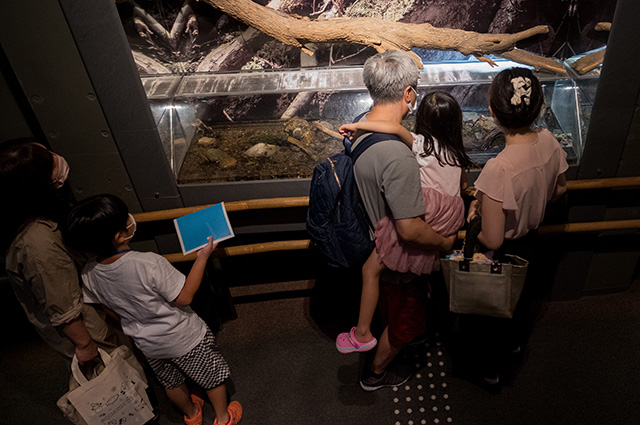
(346, 343)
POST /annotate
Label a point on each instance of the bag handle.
(471, 239)
(496, 267)
(75, 366)
(469, 248)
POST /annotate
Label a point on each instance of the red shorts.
(403, 308)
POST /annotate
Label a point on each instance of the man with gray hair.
(387, 176)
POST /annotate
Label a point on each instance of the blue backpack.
(336, 219)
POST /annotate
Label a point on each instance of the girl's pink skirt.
(445, 214)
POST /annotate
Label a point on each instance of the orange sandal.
(197, 419)
(235, 414)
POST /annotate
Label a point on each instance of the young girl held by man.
(437, 146)
(151, 299)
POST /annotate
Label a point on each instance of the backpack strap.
(359, 117)
(367, 142)
(346, 142)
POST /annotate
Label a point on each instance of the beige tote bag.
(485, 289)
(115, 396)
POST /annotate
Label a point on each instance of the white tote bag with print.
(115, 396)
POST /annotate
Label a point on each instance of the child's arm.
(194, 279)
(115, 316)
(389, 127)
(463, 181)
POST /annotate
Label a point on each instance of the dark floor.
(581, 366)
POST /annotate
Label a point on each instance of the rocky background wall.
(177, 36)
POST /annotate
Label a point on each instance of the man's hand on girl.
(449, 241)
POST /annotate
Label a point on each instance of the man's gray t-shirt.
(388, 178)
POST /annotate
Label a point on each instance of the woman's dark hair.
(93, 223)
(439, 117)
(511, 111)
(26, 189)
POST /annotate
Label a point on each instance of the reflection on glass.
(270, 125)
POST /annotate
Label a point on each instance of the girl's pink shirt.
(523, 177)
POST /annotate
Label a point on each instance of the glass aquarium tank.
(277, 124)
(583, 88)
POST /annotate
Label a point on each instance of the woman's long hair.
(26, 189)
(439, 117)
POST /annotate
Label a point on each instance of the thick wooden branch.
(531, 59)
(216, 59)
(377, 33)
(326, 130)
(148, 65)
(603, 26)
(151, 22)
(228, 52)
(591, 61)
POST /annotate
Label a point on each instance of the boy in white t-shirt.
(151, 299)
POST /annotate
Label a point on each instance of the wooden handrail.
(589, 226)
(610, 183)
(303, 201)
(592, 226)
(232, 251)
(252, 204)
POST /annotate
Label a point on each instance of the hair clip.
(521, 90)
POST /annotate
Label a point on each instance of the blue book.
(194, 229)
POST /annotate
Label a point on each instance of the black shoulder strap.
(368, 141)
(359, 117)
(346, 142)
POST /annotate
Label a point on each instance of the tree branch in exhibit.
(384, 35)
(592, 60)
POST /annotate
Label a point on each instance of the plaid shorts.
(204, 365)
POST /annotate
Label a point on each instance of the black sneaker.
(419, 340)
(491, 384)
(391, 378)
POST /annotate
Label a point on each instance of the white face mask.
(413, 108)
(135, 226)
(60, 171)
